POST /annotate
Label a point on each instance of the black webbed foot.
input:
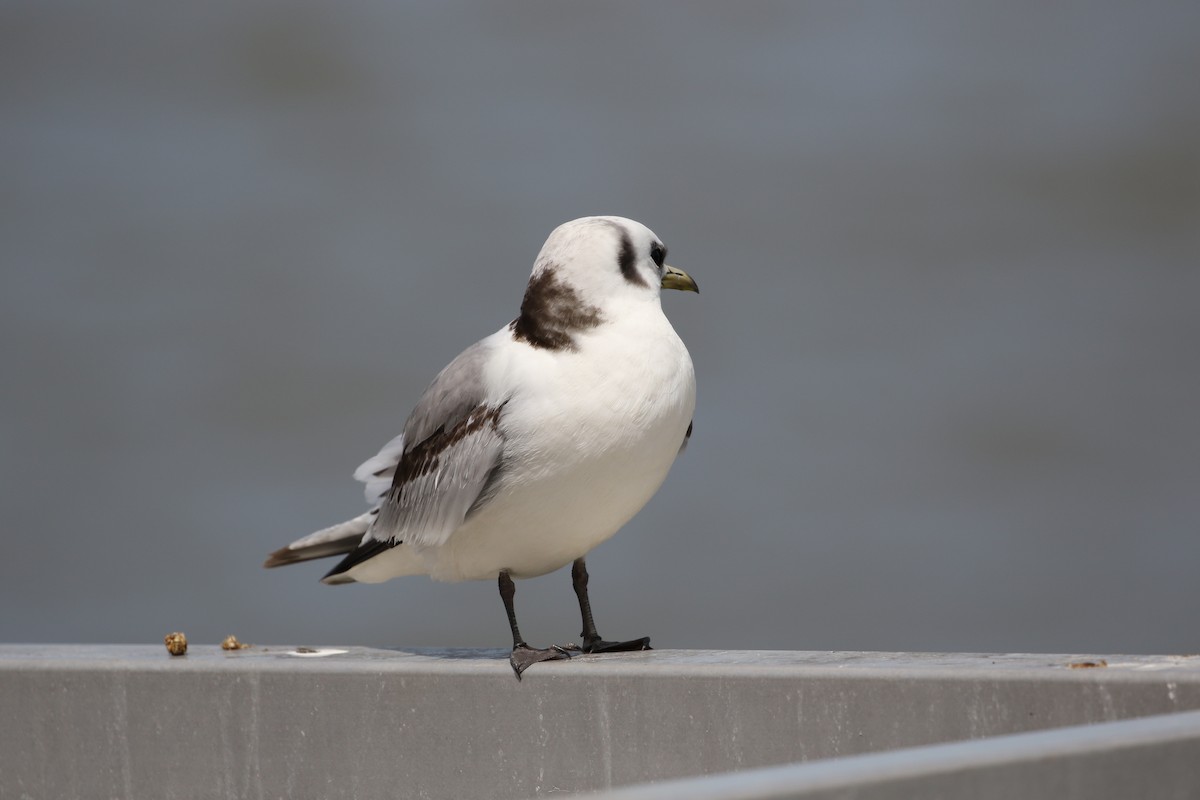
(601, 646)
(592, 643)
(523, 657)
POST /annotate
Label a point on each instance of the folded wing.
(441, 469)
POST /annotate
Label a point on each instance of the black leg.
(523, 656)
(592, 643)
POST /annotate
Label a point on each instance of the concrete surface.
(133, 722)
(1152, 757)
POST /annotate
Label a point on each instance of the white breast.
(587, 445)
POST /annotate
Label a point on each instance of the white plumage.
(540, 441)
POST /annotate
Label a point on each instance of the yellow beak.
(678, 279)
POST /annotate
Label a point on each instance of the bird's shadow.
(454, 653)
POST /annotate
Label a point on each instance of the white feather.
(378, 470)
(587, 433)
(351, 527)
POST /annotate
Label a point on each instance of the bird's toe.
(602, 646)
(524, 656)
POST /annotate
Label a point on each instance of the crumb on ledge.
(231, 643)
(176, 643)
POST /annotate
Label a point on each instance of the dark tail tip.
(282, 557)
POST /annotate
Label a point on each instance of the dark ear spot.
(552, 313)
(627, 259)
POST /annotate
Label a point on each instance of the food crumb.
(231, 643)
(1088, 664)
(176, 643)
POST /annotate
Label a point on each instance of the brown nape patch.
(552, 312)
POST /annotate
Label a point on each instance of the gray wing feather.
(450, 453)
(454, 393)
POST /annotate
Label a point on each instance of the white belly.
(574, 472)
(544, 524)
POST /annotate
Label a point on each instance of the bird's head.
(610, 257)
(591, 271)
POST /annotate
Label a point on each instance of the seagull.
(536, 443)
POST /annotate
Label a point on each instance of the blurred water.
(946, 346)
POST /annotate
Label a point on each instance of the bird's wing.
(378, 471)
(443, 465)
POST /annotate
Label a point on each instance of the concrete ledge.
(1141, 758)
(133, 722)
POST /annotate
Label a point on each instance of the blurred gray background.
(947, 345)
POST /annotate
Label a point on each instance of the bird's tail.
(333, 541)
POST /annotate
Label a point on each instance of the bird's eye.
(658, 254)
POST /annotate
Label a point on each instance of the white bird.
(538, 442)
